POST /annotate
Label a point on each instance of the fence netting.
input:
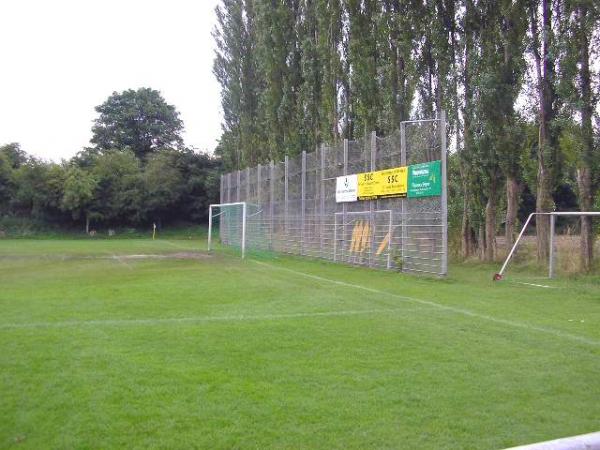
(292, 204)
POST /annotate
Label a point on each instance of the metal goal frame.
(498, 276)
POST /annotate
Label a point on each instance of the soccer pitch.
(156, 344)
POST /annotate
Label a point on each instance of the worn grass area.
(101, 348)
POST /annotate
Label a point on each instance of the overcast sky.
(61, 58)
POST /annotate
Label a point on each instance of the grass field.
(102, 348)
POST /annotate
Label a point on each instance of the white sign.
(346, 188)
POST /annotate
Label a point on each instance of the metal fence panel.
(292, 207)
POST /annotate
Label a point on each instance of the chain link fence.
(292, 206)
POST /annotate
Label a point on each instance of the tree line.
(137, 172)
(518, 79)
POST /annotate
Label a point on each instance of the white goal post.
(224, 209)
(553, 216)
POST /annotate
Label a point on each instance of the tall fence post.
(221, 193)
(403, 202)
(551, 252)
(238, 187)
(229, 188)
(444, 197)
(260, 204)
(258, 199)
(303, 203)
(247, 184)
(285, 202)
(271, 202)
(322, 201)
(344, 205)
(372, 217)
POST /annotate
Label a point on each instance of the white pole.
(512, 250)
(444, 197)
(551, 253)
(209, 226)
(244, 230)
(389, 249)
(334, 237)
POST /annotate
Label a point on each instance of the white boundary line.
(534, 285)
(590, 441)
(199, 319)
(465, 312)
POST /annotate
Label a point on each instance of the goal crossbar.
(553, 216)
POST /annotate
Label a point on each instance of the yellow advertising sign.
(383, 183)
(368, 185)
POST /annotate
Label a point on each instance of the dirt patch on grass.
(177, 255)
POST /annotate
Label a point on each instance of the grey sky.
(61, 58)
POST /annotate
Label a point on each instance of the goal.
(232, 220)
(552, 244)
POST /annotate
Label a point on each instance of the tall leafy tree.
(363, 57)
(162, 182)
(140, 120)
(78, 194)
(581, 19)
(542, 48)
(235, 67)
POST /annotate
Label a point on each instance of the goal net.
(564, 252)
(236, 225)
(227, 225)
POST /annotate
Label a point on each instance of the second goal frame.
(553, 216)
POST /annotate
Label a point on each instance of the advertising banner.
(383, 184)
(393, 182)
(425, 180)
(419, 180)
(346, 188)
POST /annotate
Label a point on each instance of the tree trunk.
(545, 80)
(584, 172)
(584, 182)
(467, 238)
(87, 223)
(465, 231)
(490, 224)
(482, 245)
(512, 207)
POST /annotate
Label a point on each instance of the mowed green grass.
(102, 350)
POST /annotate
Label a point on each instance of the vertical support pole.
(344, 205)
(444, 197)
(228, 188)
(404, 201)
(303, 203)
(223, 221)
(389, 249)
(258, 199)
(551, 252)
(238, 186)
(271, 202)
(244, 231)
(372, 219)
(322, 202)
(335, 216)
(285, 206)
(210, 224)
(222, 189)
(247, 184)
(228, 198)
(260, 219)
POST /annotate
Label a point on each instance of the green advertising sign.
(425, 180)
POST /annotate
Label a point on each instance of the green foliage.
(79, 191)
(140, 120)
